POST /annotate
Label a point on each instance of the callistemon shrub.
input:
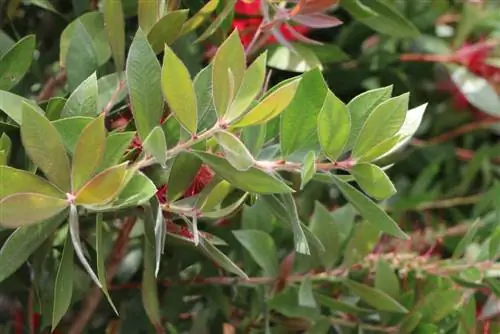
(150, 186)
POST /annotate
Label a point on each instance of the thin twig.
(450, 202)
(467, 128)
(114, 97)
(51, 85)
(95, 295)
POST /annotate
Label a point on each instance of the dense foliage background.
(246, 273)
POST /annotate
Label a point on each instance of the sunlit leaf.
(228, 70)
(334, 126)
(14, 212)
(178, 90)
(88, 154)
(271, 105)
(83, 100)
(48, 154)
(103, 188)
(20, 181)
(234, 151)
(114, 23)
(373, 180)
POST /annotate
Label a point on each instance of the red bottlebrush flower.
(247, 7)
(161, 194)
(179, 230)
(202, 178)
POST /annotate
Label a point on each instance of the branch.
(95, 295)
(51, 85)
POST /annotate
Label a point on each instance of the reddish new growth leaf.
(287, 25)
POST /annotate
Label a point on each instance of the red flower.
(202, 178)
(247, 7)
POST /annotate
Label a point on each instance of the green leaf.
(226, 211)
(386, 279)
(137, 192)
(323, 226)
(467, 239)
(308, 169)
(14, 213)
(213, 194)
(299, 60)
(149, 289)
(251, 85)
(287, 303)
(155, 144)
(83, 101)
(6, 150)
(116, 146)
(220, 258)
(468, 322)
(228, 70)
(284, 208)
(382, 123)
(182, 173)
(63, 289)
(440, 303)
(104, 187)
(252, 180)
(477, 91)
(54, 108)
(114, 23)
(95, 38)
(373, 180)
(89, 151)
(271, 105)
(16, 62)
(364, 239)
(382, 16)
(382, 149)
(107, 88)
(369, 210)
(204, 101)
(408, 129)
(261, 247)
(411, 322)
(376, 298)
(298, 129)
(178, 90)
(81, 59)
(21, 181)
(306, 295)
(361, 107)
(144, 84)
(48, 154)
(197, 19)
(74, 230)
(101, 266)
(336, 305)
(70, 130)
(12, 105)
(234, 151)
(334, 126)
(148, 12)
(23, 242)
(229, 5)
(167, 29)
(254, 137)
